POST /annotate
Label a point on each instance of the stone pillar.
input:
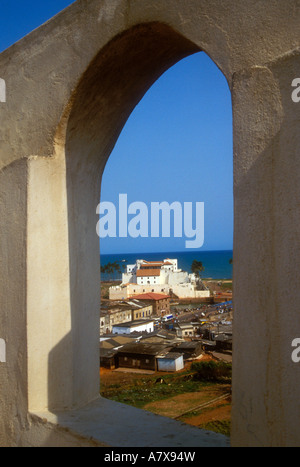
(266, 257)
(13, 370)
(63, 295)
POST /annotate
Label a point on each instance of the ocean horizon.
(216, 263)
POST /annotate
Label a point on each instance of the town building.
(160, 302)
(185, 330)
(143, 325)
(157, 351)
(190, 350)
(109, 348)
(117, 312)
(140, 356)
(140, 308)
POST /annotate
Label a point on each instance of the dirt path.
(175, 406)
(219, 412)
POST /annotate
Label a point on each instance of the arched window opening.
(175, 149)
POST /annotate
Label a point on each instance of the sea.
(216, 263)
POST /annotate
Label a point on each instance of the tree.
(212, 371)
(116, 267)
(109, 269)
(230, 261)
(197, 267)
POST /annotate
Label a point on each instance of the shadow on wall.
(109, 90)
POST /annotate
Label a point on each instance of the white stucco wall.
(148, 327)
(168, 364)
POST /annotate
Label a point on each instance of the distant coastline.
(216, 263)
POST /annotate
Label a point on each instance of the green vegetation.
(112, 269)
(219, 426)
(211, 371)
(146, 390)
(192, 396)
(226, 285)
(142, 391)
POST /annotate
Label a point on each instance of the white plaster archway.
(76, 80)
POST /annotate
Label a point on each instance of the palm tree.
(104, 270)
(109, 269)
(197, 267)
(116, 267)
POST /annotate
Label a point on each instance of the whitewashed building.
(150, 272)
(159, 277)
(143, 325)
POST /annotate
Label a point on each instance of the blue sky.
(19, 17)
(176, 145)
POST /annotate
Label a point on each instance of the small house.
(109, 348)
(172, 361)
(189, 350)
(140, 356)
(108, 358)
(185, 330)
(223, 342)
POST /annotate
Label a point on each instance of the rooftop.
(122, 305)
(171, 355)
(147, 272)
(152, 263)
(115, 341)
(144, 349)
(132, 324)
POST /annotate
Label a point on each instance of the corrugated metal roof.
(171, 355)
(144, 349)
(132, 324)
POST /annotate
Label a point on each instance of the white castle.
(159, 277)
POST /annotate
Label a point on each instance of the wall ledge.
(109, 423)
